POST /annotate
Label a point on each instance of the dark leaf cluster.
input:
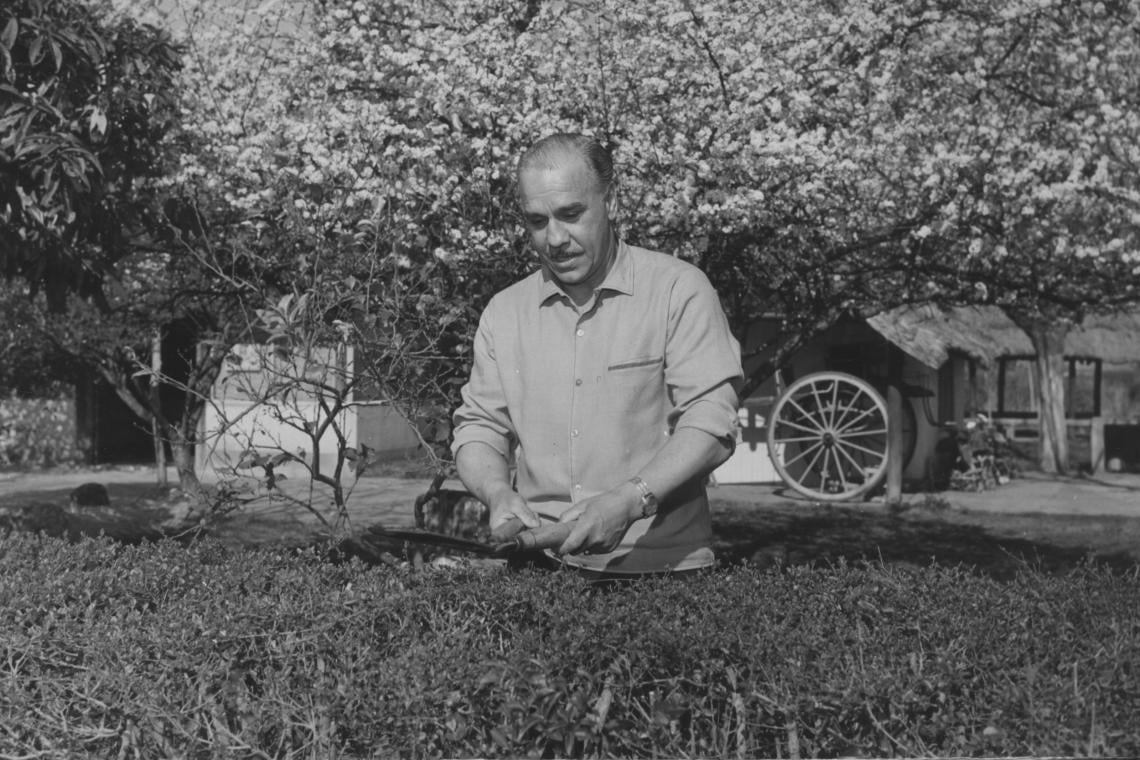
(86, 101)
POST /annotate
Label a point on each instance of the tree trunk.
(181, 441)
(895, 439)
(1049, 369)
(182, 453)
(156, 403)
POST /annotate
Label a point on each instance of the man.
(609, 376)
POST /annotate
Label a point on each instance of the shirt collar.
(618, 279)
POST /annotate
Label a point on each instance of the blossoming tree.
(814, 159)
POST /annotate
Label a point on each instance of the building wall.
(384, 431)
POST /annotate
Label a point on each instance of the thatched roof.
(929, 333)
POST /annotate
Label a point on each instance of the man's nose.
(557, 236)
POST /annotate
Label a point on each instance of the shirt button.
(574, 432)
(580, 332)
(578, 381)
(578, 487)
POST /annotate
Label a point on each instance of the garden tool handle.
(545, 536)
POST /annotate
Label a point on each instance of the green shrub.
(160, 650)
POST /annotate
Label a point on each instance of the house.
(271, 402)
(957, 362)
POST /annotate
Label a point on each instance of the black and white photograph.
(569, 379)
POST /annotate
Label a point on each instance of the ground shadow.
(136, 512)
(801, 533)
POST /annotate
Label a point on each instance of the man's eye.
(536, 222)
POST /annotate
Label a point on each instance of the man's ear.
(612, 203)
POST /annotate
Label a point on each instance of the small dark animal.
(452, 512)
(90, 495)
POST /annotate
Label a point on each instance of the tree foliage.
(85, 103)
(30, 367)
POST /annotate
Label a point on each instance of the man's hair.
(546, 153)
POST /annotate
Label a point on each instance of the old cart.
(828, 436)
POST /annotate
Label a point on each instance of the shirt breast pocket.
(638, 370)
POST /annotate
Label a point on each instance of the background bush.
(160, 650)
(37, 432)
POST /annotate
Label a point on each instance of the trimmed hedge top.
(162, 650)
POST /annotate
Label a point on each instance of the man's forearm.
(483, 470)
(689, 453)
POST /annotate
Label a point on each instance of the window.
(1017, 387)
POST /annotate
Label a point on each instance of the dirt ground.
(1052, 524)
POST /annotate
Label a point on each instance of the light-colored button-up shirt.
(583, 398)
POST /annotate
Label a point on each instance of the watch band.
(648, 498)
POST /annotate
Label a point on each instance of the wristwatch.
(648, 498)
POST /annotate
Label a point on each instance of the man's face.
(568, 215)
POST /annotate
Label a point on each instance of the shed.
(964, 360)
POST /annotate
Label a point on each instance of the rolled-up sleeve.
(702, 363)
(483, 416)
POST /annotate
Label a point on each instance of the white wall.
(257, 403)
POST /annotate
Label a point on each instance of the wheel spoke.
(806, 411)
(797, 440)
(839, 470)
(802, 454)
(813, 431)
(861, 416)
(858, 467)
(845, 435)
(880, 454)
(834, 404)
(811, 465)
(848, 406)
(818, 405)
(821, 468)
(806, 414)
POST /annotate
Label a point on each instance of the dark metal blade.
(429, 538)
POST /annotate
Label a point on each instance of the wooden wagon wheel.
(827, 436)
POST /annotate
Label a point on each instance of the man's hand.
(506, 504)
(602, 520)
(485, 473)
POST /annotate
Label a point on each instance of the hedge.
(160, 650)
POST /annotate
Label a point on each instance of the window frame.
(1070, 379)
